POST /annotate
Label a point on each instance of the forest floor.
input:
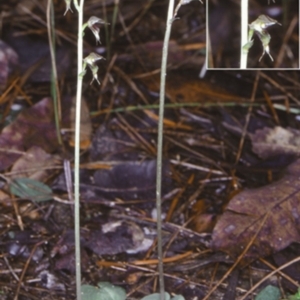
(231, 197)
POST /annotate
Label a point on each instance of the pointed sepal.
(68, 6)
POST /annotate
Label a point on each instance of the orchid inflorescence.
(94, 25)
(259, 27)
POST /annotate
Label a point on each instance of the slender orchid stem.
(77, 148)
(160, 145)
(244, 33)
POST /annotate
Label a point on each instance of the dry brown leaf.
(268, 142)
(35, 164)
(33, 127)
(203, 223)
(4, 198)
(245, 212)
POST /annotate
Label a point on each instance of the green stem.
(160, 145)
(169, 105)
(244, 33)
(113, 25)
(54, 79)
(77, 149)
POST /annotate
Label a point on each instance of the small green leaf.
(270, 292)
(30, 189)
(105, 290)
(156, 296)
(89, 292)
(296, 296)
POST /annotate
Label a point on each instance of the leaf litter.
(244, 213)
(118, 172)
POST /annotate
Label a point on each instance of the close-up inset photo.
(252, 34)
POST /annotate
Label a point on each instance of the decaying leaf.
(113, 238)
(246, 211)
(32, 127)
(35, 164)
(269, 142)
(118, 237)
(131, 180)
